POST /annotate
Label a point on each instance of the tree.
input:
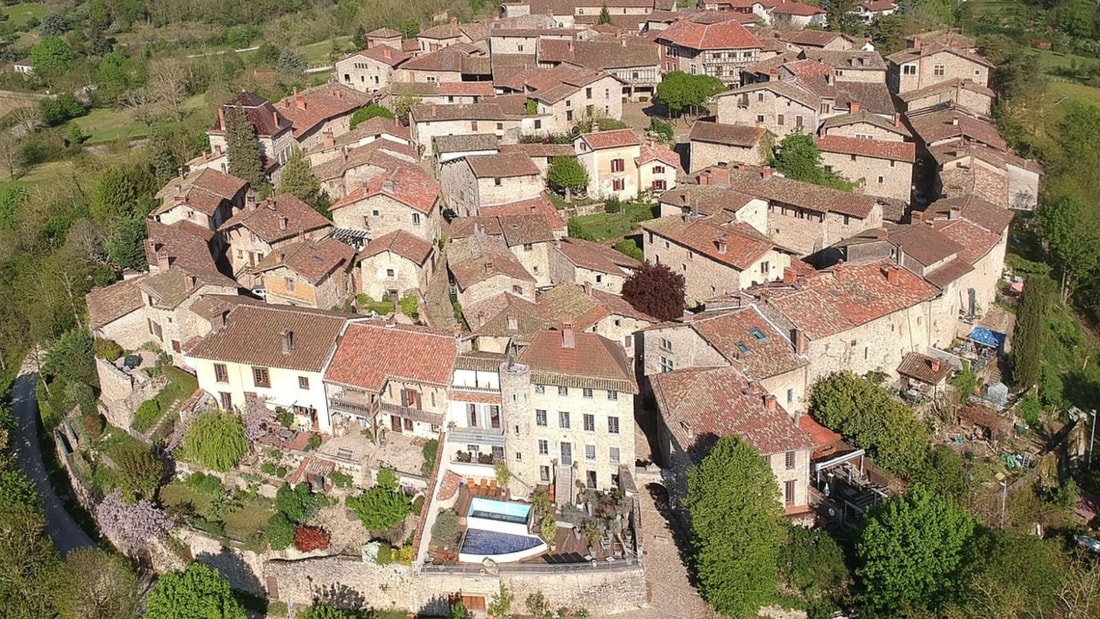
(736, 527)
(298, 180)
(656, 290)
(114, 195)
(364, 114)
(243, 148)
(53, 25)
(279, 532)
(944, 473)
(911, 551)
(290, 62)
(359, 39)
(61, 108)
(381, 507)
(1027, 339)
(1000, 588)
(605, 16)
(15, 489)
(30, 570)
(1072, 233)
(567, 174)
(139, 472)
(100, 584)
(841, 17)
(681, 91)
(409, 29)
(215, 439)
(798, 157)
(812, 563)
(126, 246)
(199, 592)
(501, 602)
(297, 503)
(71, 357)
(402, 104)
(51, 56)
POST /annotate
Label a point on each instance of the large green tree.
(812, 563)
(216, 440)
(383, 506)
(100, 585)
(199, 592)
(1027, 339)
(736, 527)
(911, 552)
(1072, 231)
(567, 174)
(681, 91)
(52, 55)
(798, 157)
(298, 180)
(139, 472)
(243, 148)
(30, 571)
(1000, 586)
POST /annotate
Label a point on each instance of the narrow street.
(65, 532)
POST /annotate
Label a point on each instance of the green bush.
(284, 417)
(612, 205)
(385, 554)
(146, 415)
(268, 468)
(281, 471)
(298, 503)
(205, 484)
(216, 440)
(410, 307)
(1030, 409)
(280, 532)
(277, 609)
(107, 349)
(630, 248)
(341, 479)
(313, 443)
(430, 450)
(418, 505)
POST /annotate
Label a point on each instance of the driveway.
(66, 534)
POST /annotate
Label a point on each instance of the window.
(227, 400)
(612, 425)
(563, 419)
(790, 396)
(540, 418)
(798, 121)
(757, 334)
(667, 365)
(374, 213)
(544, 447)
(589, 423)
(528, 247)
(881, 180)
(937, 70)
(589, 452)
(588, 93)
(568, 113)
(658, 169)
(660, 185)
(498, 452)
(544, 473)
(563, 390)
(538, 124)
(760, 97)
(567, 454)
(519, 48)
(540, 388)
(779, 120)
(759, 118)
(587, 391)
(261, 377)
(613, 455)
(909, 69)
(618, 184)
(789, 460)
(416, 219)
(614, 395)
(519, 456)
(497, 182)
(765, 267)
(289, 284)
(666, 345)
(221, 373)
(303, 383)
(618, 165)
(788, 493)
(389, 273)
(473, 125)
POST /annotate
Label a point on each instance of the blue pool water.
(479, 542)
(502, 511)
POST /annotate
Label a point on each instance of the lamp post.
(1004, 495)
(1092, 438)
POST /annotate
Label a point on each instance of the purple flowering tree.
(131, 526)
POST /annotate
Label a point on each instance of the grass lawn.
(607, 226)
(104, 125)
(317, 54)
(180, 386)
(42, 174)
(1069, 91)
(176, 494)
(20, 14)
(1049, 60)
(250, 519)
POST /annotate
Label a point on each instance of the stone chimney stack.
(893, 275)
(798, 339)
(723, 246)
(769, 402)
(568, 339)
(766, 172)
(854, 107)
(164, 262)
(284, 222)
(288, 341)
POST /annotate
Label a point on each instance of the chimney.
(936, 365)
(769, 402)
(280, 257)
(387, 185)
(954, 212)
(798, 339)
(854, 107)
(250, 200)
(191, 282)
(568, 340)
(586, 287)
(221, 117)
(330, 140)
(299, 100)
(284, 222)
(897, 119)
(916, 42)
(704, 177)
(685, 213)
(766, 172)
(893, 275)
(219, 320)
(275, 117)
(953, 42)
(954, 121)
(163, 261)
(722, 246)
(386, 52)
(288, 341)
(433, 111)
(789, 276)
(513, 322)
(454, 21)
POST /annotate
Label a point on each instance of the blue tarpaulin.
(987, 337)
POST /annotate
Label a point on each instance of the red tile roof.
(384, 54)
(732, 135)
(775, 188)
(924, 244)
(371, 353)
(261, 114)
(477, 258)
(877, 149)
(736, 244)
(308, 109)
(539, 205)
(401, 243)
(596, 257)
(278, 218)
(611, 139)
(699, 406)
(594, 361)
(821, 435)
(253, 335)
(502, 165)
(652, 151)
(722, 35)
(406, 184)
(807, 67)
(924, 368)
(797, 8)
(313, 260)
(946, 124)
(974, 240)
(748, 341)
(109, 303)
(849, 295)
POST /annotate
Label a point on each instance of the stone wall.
(123, 392)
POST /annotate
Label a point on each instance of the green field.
(1067, 91)
(105, 125)
(20, 14)
(317, 54)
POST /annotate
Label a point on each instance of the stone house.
(475, 425)
(715, 257)
(566, 95)
(322, 111)
(924, 374)
(851, 66)
(456, 63)
(869, 11)
(396, 264)
(451, 33)
(713, 144)
(866, 126)
(404, 387)
(116, 312)
(788, 13)
(634, 61)
(522, 42)
(1003, 178)
(620, 164)
(961, 93)
(274, 223)
(309, 273)
(799, 40)
(586, 263)
(590, 310)
(780, 107)
(482, 266)
(801, 217)
(384, 36)
(439, 93)
(883, 169)
(541, 154)
(350, 168)
(205, 197)
(938, 126)
(404, 198)
(371, 69)
(928, 62)
(389, 134)
(449, 148)
(429, 121)
(488, 180)
(540, 205)
(275, 353)
(700, 406)
(527, 236)
(721, 49)
(273, 130)
(568, 399)
(715, 200)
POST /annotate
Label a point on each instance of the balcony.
(415, 414)
(360, 405)
(489, 437)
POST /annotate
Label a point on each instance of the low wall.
(586, 209)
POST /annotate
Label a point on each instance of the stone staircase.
(563, 485)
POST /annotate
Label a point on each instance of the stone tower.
(518, 417)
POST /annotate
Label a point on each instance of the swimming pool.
(502, 511)
(479, 545)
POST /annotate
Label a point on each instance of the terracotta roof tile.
(539, 205)
(699, 406)
(611, 139)
(946, 124)
(313, 260)
(477, 258)
(383, 54)
(502, 165)
(596, 257)
(748, 341)
(308, 109)
(594, 361)
(708, 200)
(260, 113)
(253, 335)
(812, 197)
(465, 143)
(924, 244)
(931, 48)
(950, 272)
(652, 151)
(383, 154)
(877, 149)
(395, 352)
(924, 368)
(861, 117)
(975, 240)
(406, 184)
(109, 303)
(278, 218)
(722, 35)
(401, 243)
(853, 60)
(981, 212)
(821, 435)
(736, 244)
(540, 150)
(374, 128)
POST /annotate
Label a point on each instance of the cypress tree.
(1027, 341)
(243, 148)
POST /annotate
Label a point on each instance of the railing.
(472, 389)
(534, 568)
(415, 414)
(341, 404)
(477, 436)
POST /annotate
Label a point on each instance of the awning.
(987, 337)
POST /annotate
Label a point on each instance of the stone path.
(438, 310)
